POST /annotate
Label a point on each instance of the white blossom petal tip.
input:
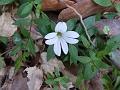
(64, 46)
(50, 35)
(71, 34)
(71, 40)
(57, 48)
(61, 27)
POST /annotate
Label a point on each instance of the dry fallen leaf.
(19, 83)
(46, 88)
(53, 5)
(2, 73)
(7, 28)
(35, 34)
(11, 72)
(115, 58)
(84, 7)
(49, 66)
(35, 76)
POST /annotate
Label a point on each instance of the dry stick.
(81, 20)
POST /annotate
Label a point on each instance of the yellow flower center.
(59, 34)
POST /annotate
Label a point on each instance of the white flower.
(61, 37)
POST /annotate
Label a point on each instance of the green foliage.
(30, 46)
(104, 3)
(111, 45)
(71, 24)
(21, 58)
(50, 53)
(73, 54)
(80, 78)
(85, 41)
(4, 2)
(88, 72)
(56, 80)
(22, 22)
(117, 6)
(44, 24)
(15, 50)
(110, 15)
(38, 1)
(2, 63)
(90, 21)
(4, 40)
(25, 9)
(84, 59)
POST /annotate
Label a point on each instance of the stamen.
(59, 34)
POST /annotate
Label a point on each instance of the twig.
(6, 52)
(81, 20)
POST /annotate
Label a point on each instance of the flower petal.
(51, 41)
(50, 35)
(64, 46)
(71, 34)
(61, 27)
(57, 48)
(71, 40)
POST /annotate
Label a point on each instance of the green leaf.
(110, 15)
(4, 40)
(73, 54)
(43, 24)
(37, 1)
(71, 24)
(117, 83)
(104, 3)
(50, 81)
(21, 22)
(80, 78)
(43, 20)
(84, 59)
(25, 32)
(50, 53)
(117, 6)
(18, 63)
(57, 72)
(112, 44)
(2, 63)
(88, 73)
(20, 59)
(66, 58)
(79, 30)
(55, 88)
(17, 39)
(30, 46)
(4, 2)
(97, 62)
(90, 21)
(85, 41)
(38, 10)
(15, 50)
(25, 9)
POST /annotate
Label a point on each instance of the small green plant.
(56, 81)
